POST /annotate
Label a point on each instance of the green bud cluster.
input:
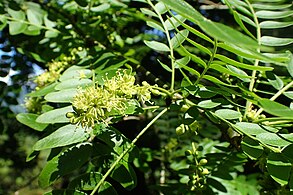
(191, 128)
(251, 115)
(199, 173)
(97, 104)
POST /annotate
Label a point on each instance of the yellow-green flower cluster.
(97, 104)
(33, 105)
(55, 68)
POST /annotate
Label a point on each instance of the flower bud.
(70, 114)
(188, 152)
(203, 161)
(205, 171)
(180, 130)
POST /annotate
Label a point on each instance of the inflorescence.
(97, 104)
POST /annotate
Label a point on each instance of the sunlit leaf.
(63, 96)
(274, 80)
(228, 114)
(277, 140)
(290, 65)
(158, 46)
(273, 14)
(270, 6)
(172, 23)
(274, 24)
(43, 91)
(179, 38)
(275, 108)
(55, 116)
(254, 129)
(63, 136)
(16, 27)
(155, 25)
(274, 41)
(29, 119)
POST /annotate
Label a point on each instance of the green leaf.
(148, 12)
(166, 67)
(279, 168)
(280, 57)
(243, 76)
(278, 140)
(240, 23)
(223, 33)
(288, 152)
(32, 31)
(263, 6)
(289, 94)
(184, 9)
(107, 189)
(75, 72)
(34, 17)
(242, 65)
(274, 24)
(275, 108)
(254, 129)
(215, 80)
(132, 107)
(63, 96)
(195, 32)
(88, 181)
(251, 148)
(173, 22)
(155, 25)
(55, 116)
(100, 8)
(179, 38)
(247, 53)
(19, 15)
(29, 119)
(161, 8)
(273, 14)
(155, 45)
(274, 80)
(65, 192)
(193, 57)
(3, 22)
(66, 135)
(228, 114)
(227, 34)
(117, 141)
(16, 27)
(73, 83)
(208, 104)
(43, 91)
(274, 41)
(64, 163)
(48, 23)
(182, 62)
(290, 65)
(125, 175)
